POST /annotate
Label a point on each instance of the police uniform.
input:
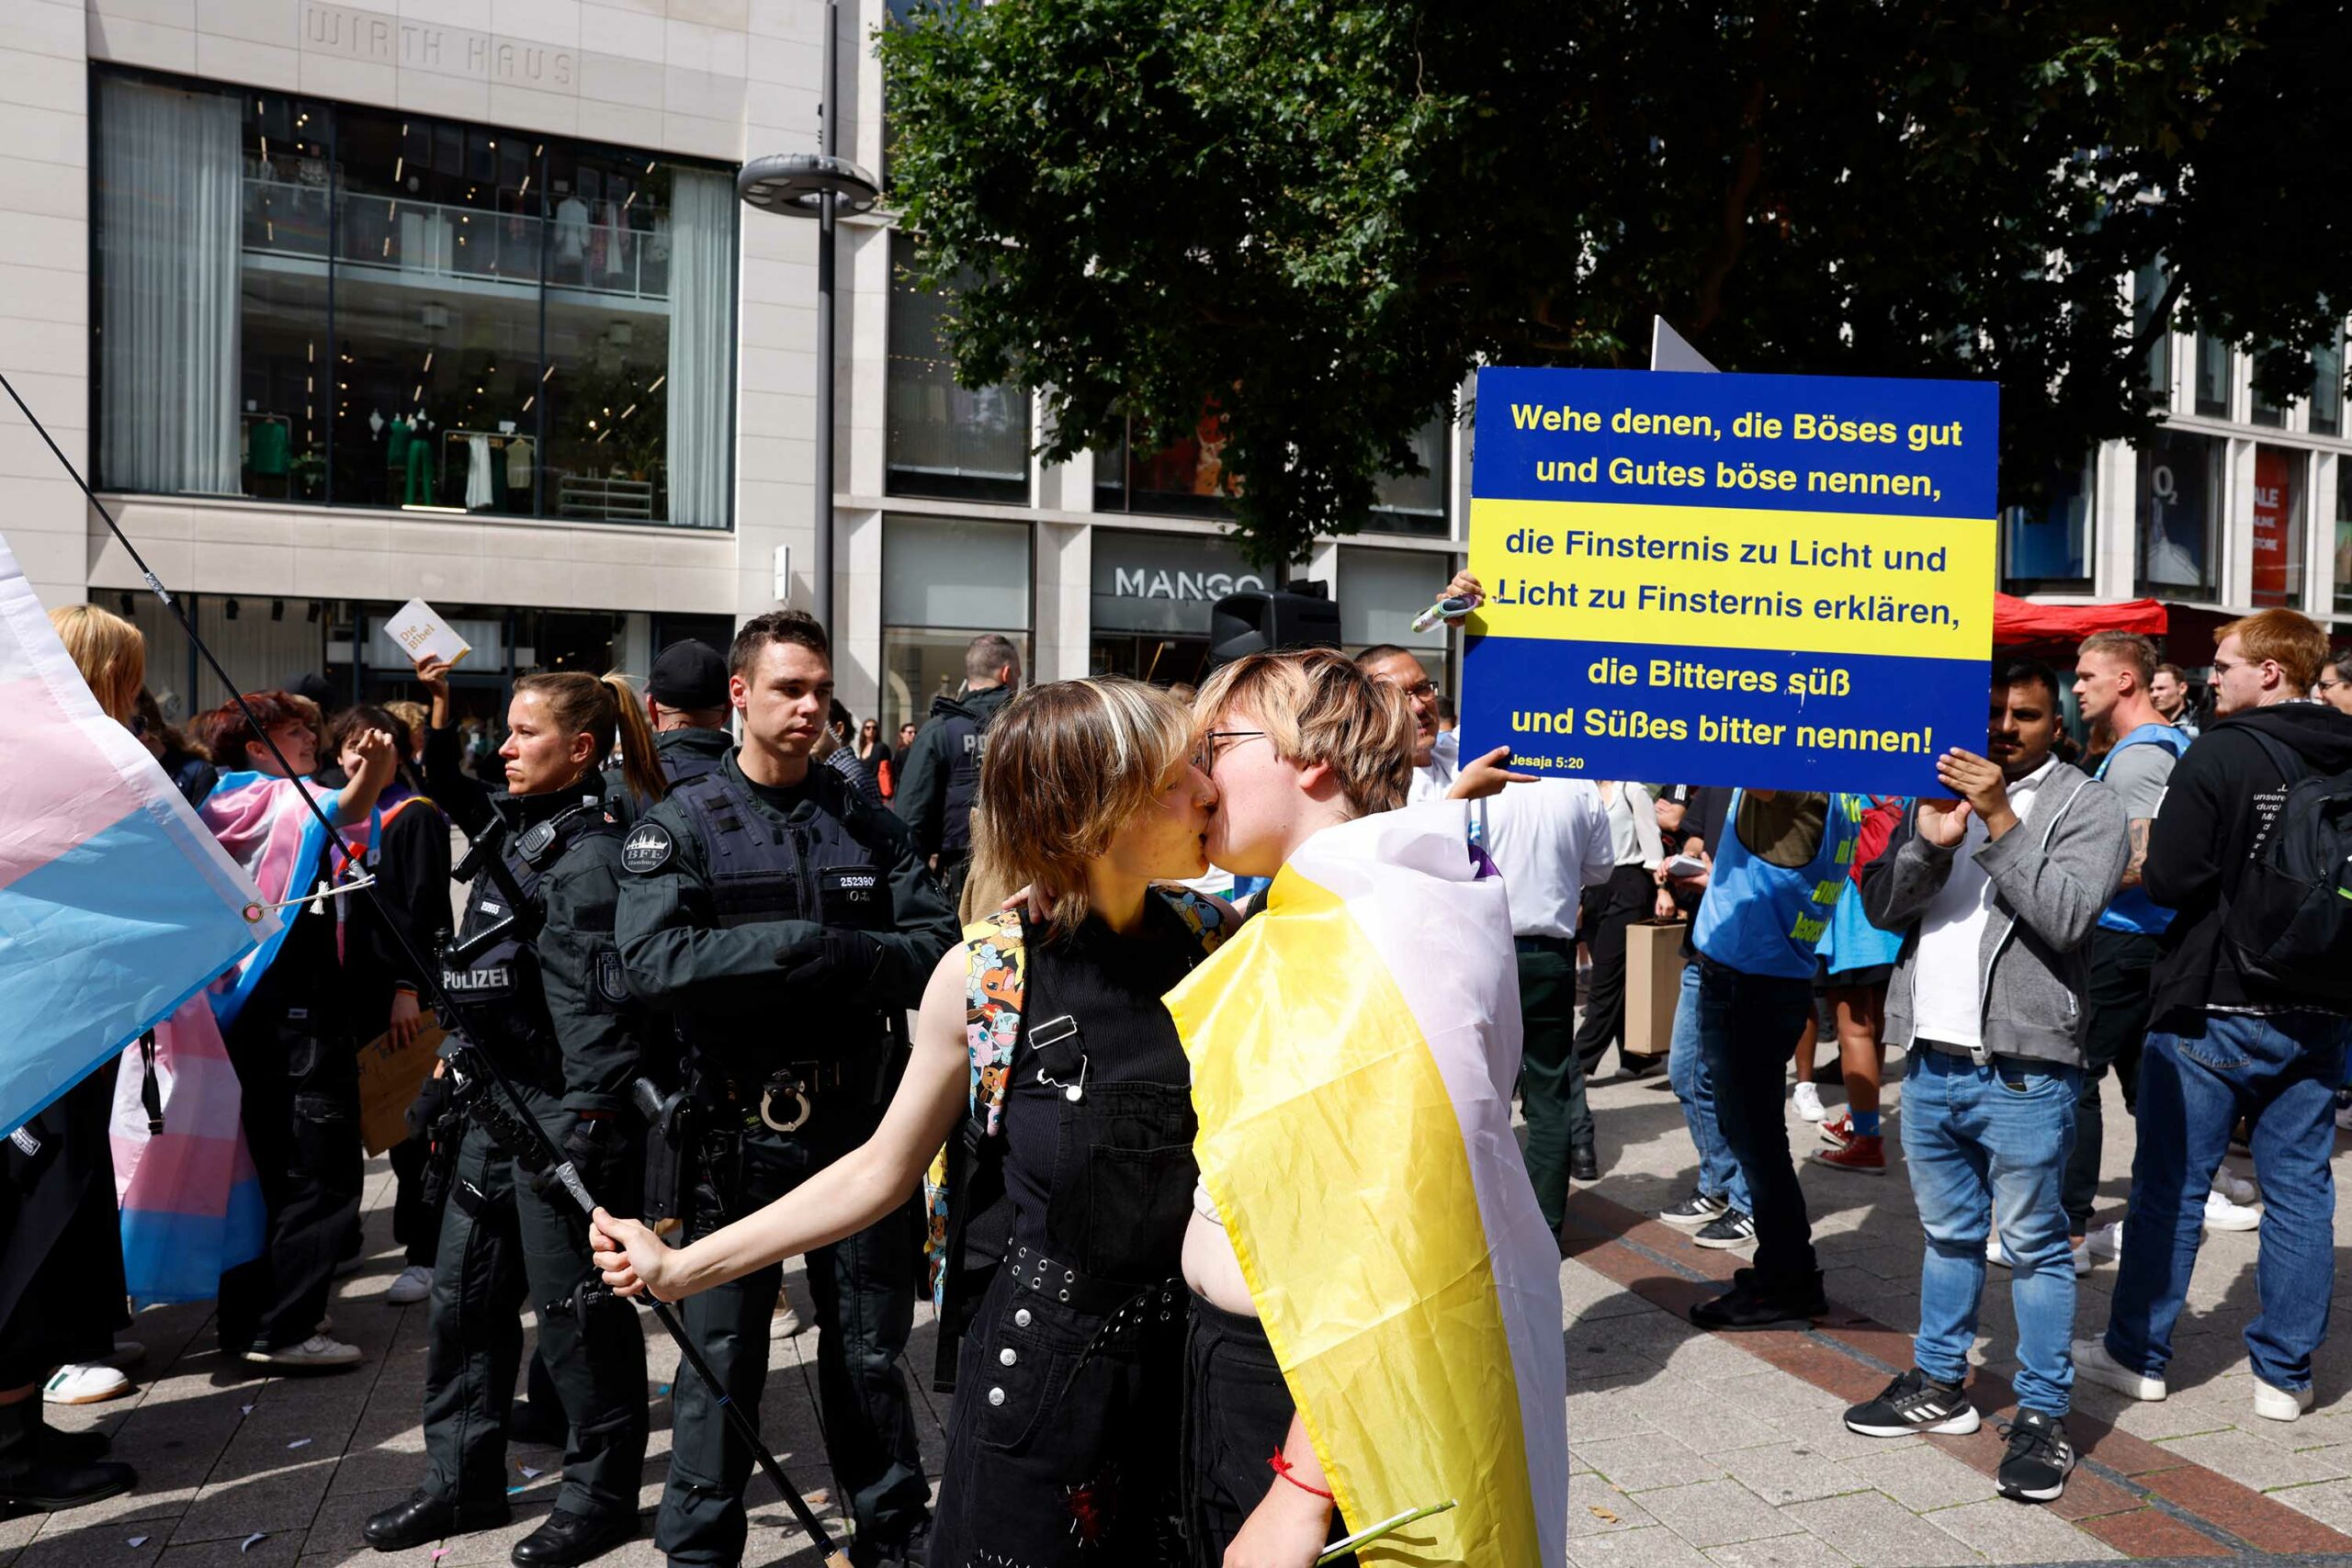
(941, 779)
(786, 931)
(552, 1007)
(684, 755)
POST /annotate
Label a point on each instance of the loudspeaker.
(1272, 620)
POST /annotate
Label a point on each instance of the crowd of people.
(666, 878)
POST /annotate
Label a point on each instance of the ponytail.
(640, 758)
(603, 707)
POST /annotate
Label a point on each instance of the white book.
(424, 635)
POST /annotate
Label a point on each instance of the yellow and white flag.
(1353, 1049)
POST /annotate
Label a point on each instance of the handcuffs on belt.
(789, 1084)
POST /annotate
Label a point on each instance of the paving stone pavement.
(1690, 1451)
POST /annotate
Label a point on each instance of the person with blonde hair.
(540, 991)
(1363, 1202)
(1067, 1201)
(62, 1285)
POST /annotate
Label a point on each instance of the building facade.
(340, 304)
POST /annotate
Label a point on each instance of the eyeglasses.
(1215, 742)
(1420, 691)
(2329, 683)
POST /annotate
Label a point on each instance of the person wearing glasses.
(2333, 687)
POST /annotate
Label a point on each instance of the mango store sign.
(1779, 581)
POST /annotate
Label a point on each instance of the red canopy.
(2018, 621)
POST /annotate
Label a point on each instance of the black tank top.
(1104, 1181)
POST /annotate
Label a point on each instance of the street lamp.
(818, 186)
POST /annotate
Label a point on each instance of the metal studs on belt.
(996, 1396)
(1006, 1356)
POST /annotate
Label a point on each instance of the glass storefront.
(2178, 507)
(2344, 534)
(2212, 388)
(1188, 479)
(2047, 547)
(355, 307)
(1380, 591)
(945, 581)
(1151, 598)
(966, 444)
(2279, 526)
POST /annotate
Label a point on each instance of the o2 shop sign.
(1148, 582)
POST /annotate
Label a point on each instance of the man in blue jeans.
(1996, 892)
(2227, 1044)
(1778, 870)
(1716, 1209)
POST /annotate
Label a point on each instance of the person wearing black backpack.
(2249, 1016)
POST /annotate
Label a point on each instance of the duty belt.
(782, 1102)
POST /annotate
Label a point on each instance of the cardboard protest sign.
(390, 1077)
(1781, 581)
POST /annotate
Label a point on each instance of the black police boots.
(425, 1518)
(50, 1470)
(567, 1539)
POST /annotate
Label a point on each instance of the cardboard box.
(1652, 986)
(390, 1077)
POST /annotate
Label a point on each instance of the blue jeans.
(2279, 1073)
(1686, 1069)
(1749, 1025)
(1986, 1143)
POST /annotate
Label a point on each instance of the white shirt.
(1433, 778)
(1550, 840)
(1632, 827)
(1948, 974)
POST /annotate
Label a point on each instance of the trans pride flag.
(191, 1201)
(1353, 1048)
(261, 821)
(116, 903)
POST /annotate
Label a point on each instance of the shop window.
(962, 443)
(429, 314)
(1379, 593)
(1416, 503)
(2147, 293)
(2212, 376)
(2279, 526)
(945, 581)
(1185, 478)
(2327, 386)
(2178, 504)
(2046, 546)
(2343, 534)
(1152, 599)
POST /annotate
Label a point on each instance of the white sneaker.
(2236, 1188)
(2221, 1214)
(786, 1322)
(2092, 1361)
(316, 1353)
(1808, 1101)
(2104, 1242)
(2082, 1252)
(414, 1284)
(1994, 1251)
(2279, 1403)
(85, 1384)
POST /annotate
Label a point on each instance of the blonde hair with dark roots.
(110, 653)
(601, 706)
(1067, 765)
(1318, 707)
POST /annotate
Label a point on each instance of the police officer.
(787, 924)
(940, 777)
(685, 702)
(540, 987)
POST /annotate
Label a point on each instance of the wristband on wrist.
(1282, 1467)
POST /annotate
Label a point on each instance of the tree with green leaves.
(1318, 215)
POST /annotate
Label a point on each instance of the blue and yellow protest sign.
(1782, 581)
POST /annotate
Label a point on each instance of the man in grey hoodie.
(1997, 896)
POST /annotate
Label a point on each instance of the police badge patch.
(647, 849)
(612, 985)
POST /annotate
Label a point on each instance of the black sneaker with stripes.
(1914, 1402)
(2040, 1458)
(1697, 1209)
